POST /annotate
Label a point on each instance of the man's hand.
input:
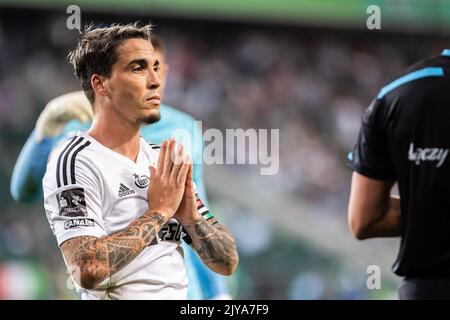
(59, 111)
(187, 213)
(214, 243)
(168, 180)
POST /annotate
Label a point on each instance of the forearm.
(215, 246)
(212, 284)
(95, 259)
(390, 224)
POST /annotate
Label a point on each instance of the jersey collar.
(446, 53)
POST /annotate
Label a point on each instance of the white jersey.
(90, 190)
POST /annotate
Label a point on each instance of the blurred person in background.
(405, 138)
(73, 112)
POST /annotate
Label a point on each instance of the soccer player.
(72, 112)
(119, 223)
(405, 138)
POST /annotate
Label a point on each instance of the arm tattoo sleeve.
(214, 244)
(102, 257)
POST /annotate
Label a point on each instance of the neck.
(116, 133)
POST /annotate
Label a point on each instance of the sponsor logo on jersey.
(419, 155)
(71, 203)
(170, 232)
(141, 181)
(124, 191)
(80, 222)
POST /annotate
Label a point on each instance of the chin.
(153, 117)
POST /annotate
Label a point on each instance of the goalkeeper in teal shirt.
(72, 112)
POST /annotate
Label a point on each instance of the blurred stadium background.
(308, 68)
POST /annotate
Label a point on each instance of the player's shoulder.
(151, 149)
(154, 146)
(434, 65)
(437, 66)
(65, 158)
(71, 145)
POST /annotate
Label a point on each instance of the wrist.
(165, 211)
(195, 219)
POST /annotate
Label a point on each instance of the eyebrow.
(142, 62)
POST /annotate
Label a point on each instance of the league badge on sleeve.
(71, 203)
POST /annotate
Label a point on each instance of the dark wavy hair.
(96, 53)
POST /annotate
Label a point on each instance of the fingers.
(162, 153)
(178, 162)
(168, 158)
(189, 176)
(171, 161)
(152, 171)
(168, 183)
(183, 174)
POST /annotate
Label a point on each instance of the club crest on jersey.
(141, 181)
(71, 203)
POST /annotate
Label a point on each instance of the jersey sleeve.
(370, 155)
(72, 196)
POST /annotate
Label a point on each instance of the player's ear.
(99, 85)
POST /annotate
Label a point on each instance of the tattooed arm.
(91, 260)
(215, 245)
(213, 242)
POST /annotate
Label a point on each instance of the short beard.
(150, 119)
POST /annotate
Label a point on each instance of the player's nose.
(153, 80)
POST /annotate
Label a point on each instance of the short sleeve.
(370, 155)
(73, 206)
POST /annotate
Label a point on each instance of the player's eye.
(156, 68)
(138, 69)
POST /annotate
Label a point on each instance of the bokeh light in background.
(310, 71)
